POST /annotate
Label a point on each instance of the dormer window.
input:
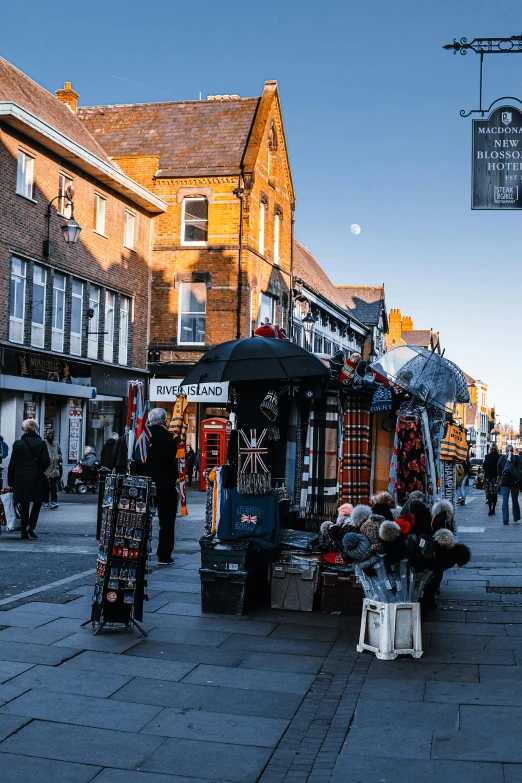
(194, 222)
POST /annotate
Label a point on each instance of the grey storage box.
(293, 585)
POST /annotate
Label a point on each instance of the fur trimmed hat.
(356, 547)
(370, 529)
(383, 498)
(405, 522)
(325, 528)
(442, 513)
(359, 515)
(383, 510)
(418, 495)
(345, 510)
(389, 531)
(444, 538)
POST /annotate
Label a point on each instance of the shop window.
(318, 344)
(25, 175)
(38, 306)
(99, 213)
(267, 309)
(76, 317)
(261, 241)
(17, 301)
(58, 314)
(94, 322)
(129, 229)
(192, 313)
(277, 226)
(297, 334)
(108, 337)
(194, 221)
(65, 190)
(327, 346)
(123, 347)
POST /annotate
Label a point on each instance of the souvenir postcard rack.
(125, 551)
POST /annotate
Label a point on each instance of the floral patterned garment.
(411, 459)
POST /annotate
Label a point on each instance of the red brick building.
(74, 325)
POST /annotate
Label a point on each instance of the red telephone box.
(213, 446)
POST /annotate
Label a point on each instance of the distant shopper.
(162, 467)
(53, 471)
(191, 462)
(26, 475)
(510, 473)
(491, 477)
(462, 481)
(120, 453)
(4, 451)
(107, 452)
(87, 462)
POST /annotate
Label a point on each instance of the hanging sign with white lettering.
(497, 160)
(167, 389)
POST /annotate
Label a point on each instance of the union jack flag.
(137, 416)
(251, 452)
(250, 520)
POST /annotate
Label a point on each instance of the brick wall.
(100, 259)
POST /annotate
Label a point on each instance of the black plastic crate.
(340, 594)
(232, 592)
(225, 556)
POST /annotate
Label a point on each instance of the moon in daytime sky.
(355, 229)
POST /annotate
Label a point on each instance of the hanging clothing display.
(408, 468)
(291, 449)
(255, 519)
(356, 449)
(431, 475)
(179, 421)
(319, 484)
(454, 447)
(384, 432)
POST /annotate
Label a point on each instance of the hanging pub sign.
(497, 160)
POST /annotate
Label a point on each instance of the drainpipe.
(239, 192)
(290, 295)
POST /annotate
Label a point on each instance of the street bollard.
(102, 475)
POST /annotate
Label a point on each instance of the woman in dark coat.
(191, 461)
(26, 475)
(491, 476)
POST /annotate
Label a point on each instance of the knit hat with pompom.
(359, 515)
(345, 510)
(389, 531)
(405, 522)
(444, 538)
(370, 529)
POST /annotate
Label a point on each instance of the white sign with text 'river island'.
(167, 389)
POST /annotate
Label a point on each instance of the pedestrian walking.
(491, 478)
(26, 475)
(162, 467)
(107, 456)
(4, 451)
(191, 462)
(463, 481)
(510, 473)
(53, 471)
(121, 452)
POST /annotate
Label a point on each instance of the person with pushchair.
(86, 464)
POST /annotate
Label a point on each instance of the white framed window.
(99, 214)
(64, 191)
(194, 221)
(25, 174)
(58, 312)
(123, 347)
(17, 300)
(267, 309)
(192, 313)
(261, 240)
(108, 337)
(130, 226)
(277, 226)
(38, 306)
(93, 336)
(76, 317)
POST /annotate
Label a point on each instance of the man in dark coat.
(26, 475)
(509, 470)
(162, 467)
(491, 476)
(107, 452)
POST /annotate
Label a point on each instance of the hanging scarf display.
(300, 433)
(291, 449)
(454, 447)
(253, 476)
(411, 474)
(179, 421)
(319, 490)
(356, 449)
(182, 476)
(208, 500)
(270, 408)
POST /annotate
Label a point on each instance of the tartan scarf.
(319, 489)
(356, 449)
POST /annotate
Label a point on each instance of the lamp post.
(308, 325)
(71, 229)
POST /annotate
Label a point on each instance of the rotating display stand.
(125, 551)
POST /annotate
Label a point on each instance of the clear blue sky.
(371, 108)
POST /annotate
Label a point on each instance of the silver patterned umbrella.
(424, 374)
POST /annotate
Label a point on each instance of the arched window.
(194, 221)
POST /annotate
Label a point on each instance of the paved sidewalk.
(274, 697)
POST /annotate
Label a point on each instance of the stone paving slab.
(212, 761)
(474, 693)
(365, 768)
(217, 727)
(478, 717)
(121, 776)
(81, 744)
(212, 622)
(129, 666)
(390, 742)
(9, 724)
(280, 682)
(182, 636)
(383, 689)
(407, 715)
(35, 653)
(23, 769)
(513, 773)
(9, 691)
(275, 644)
(470, 745)
(49, 633)
(187, 652)
(59, 707)
(303, 664)
(116, 641)
(66, 680)
(9, 669)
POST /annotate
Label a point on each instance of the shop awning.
(22, 384)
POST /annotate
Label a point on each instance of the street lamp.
(70, 230)
(308, 325)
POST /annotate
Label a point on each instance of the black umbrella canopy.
(256, 359)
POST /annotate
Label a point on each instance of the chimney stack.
(68, 96)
